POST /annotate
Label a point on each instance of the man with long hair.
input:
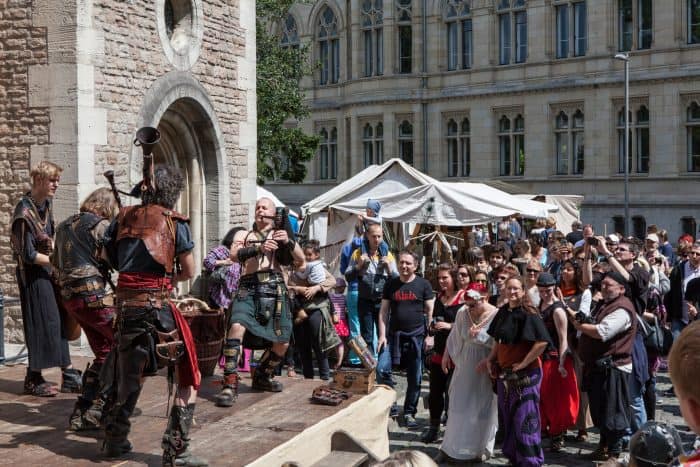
(82, 278)
(151, 247)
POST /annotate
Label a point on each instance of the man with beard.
(605, 346)
(260, 311)
(82, 277)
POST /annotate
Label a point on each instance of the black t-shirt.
(637, 288)
(449, 314)
(407, 302)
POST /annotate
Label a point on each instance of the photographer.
(371, 269)
(605, 347)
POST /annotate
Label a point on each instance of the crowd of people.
(528, 336)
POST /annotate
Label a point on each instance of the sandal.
(557, 444)
(291, 372)
(582, 436)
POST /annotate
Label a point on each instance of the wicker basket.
(208, 331)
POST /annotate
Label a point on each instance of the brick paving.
(571, 456)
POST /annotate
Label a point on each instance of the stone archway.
(192, 141)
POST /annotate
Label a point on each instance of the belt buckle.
(263, 277)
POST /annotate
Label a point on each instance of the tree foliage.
(282, 149)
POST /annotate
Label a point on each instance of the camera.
(281, 217)
(583, 318)
(592, 241)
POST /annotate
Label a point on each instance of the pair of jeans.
(412, 361)
(368, 313)
(639, 414)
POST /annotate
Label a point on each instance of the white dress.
(473, 410)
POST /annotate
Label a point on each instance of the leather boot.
(117, 427)
(265, 371)
(176, 439)
(72, 381)
(431, 434)
(229, 392)
(88, 408)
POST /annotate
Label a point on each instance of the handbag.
(657, 338)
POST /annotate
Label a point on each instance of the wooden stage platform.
(262, 429)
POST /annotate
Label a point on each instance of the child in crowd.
(337, 297)
(311, 274)
(684, 364)
(371, 216)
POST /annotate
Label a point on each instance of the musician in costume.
(151, 247)
(32, 244)
(261, 305)
(82, 277)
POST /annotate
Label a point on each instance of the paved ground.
(571, 456)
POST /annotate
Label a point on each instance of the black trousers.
(307, 337)
(438, 395)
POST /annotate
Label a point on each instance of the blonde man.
(32, 245)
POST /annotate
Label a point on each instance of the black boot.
(88, 408)
(431, 434)
(176, 439)
(72, 381)
(117, 427)
(265, 371)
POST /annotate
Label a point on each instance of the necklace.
(477, 326)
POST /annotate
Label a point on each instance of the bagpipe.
(146, 138)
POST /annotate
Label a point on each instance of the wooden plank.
(33, 430)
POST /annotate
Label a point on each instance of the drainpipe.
(424, 85)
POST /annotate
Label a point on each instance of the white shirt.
(690, 273)
(616, 322)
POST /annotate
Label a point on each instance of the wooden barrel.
(208, 330)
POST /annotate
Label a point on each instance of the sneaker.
(394, 411)
(410, 422)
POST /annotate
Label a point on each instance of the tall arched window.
(404, 14)
(458, 150)
(638, 141)
(569, 143)
(290, 33)
(511, 141)
(373, 144)
(328, 153)
(372, 37)
(328, 47)
(406, 142)
(693, 130)
(512, 31)
(457, 15)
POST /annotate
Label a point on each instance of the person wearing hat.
(467, 347)
(605, 347)
(559, 389)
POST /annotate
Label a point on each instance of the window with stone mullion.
(404, 15)
(329, 47)
(693, 129)
(634, 24)
(458, 24)
(639, 149)
(406, 142)
(570, 29)
(512, 31)
(372, 23)
(693, 18)
(511, 141)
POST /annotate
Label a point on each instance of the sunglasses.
(533, 271)
(463, 274)
(502, 278)
(481, 281)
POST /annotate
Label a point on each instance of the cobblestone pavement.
(570, 456)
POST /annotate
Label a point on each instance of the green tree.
(282, 150)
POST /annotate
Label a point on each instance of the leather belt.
(87, 286)
(139, 298)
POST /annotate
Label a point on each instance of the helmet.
(655, 444)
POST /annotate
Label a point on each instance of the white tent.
(568, 212)
(409, 196)
(264, 193)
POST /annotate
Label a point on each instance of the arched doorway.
(188, 142)
(191, 139)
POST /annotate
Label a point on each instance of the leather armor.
(76, 248)
(155, 226)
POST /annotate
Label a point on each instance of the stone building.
(78, 77)
(521, 91)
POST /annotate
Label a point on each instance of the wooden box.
(355, 380)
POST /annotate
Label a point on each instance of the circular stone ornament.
(180, 29)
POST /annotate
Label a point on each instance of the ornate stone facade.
(456, 50)
(78, 77)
